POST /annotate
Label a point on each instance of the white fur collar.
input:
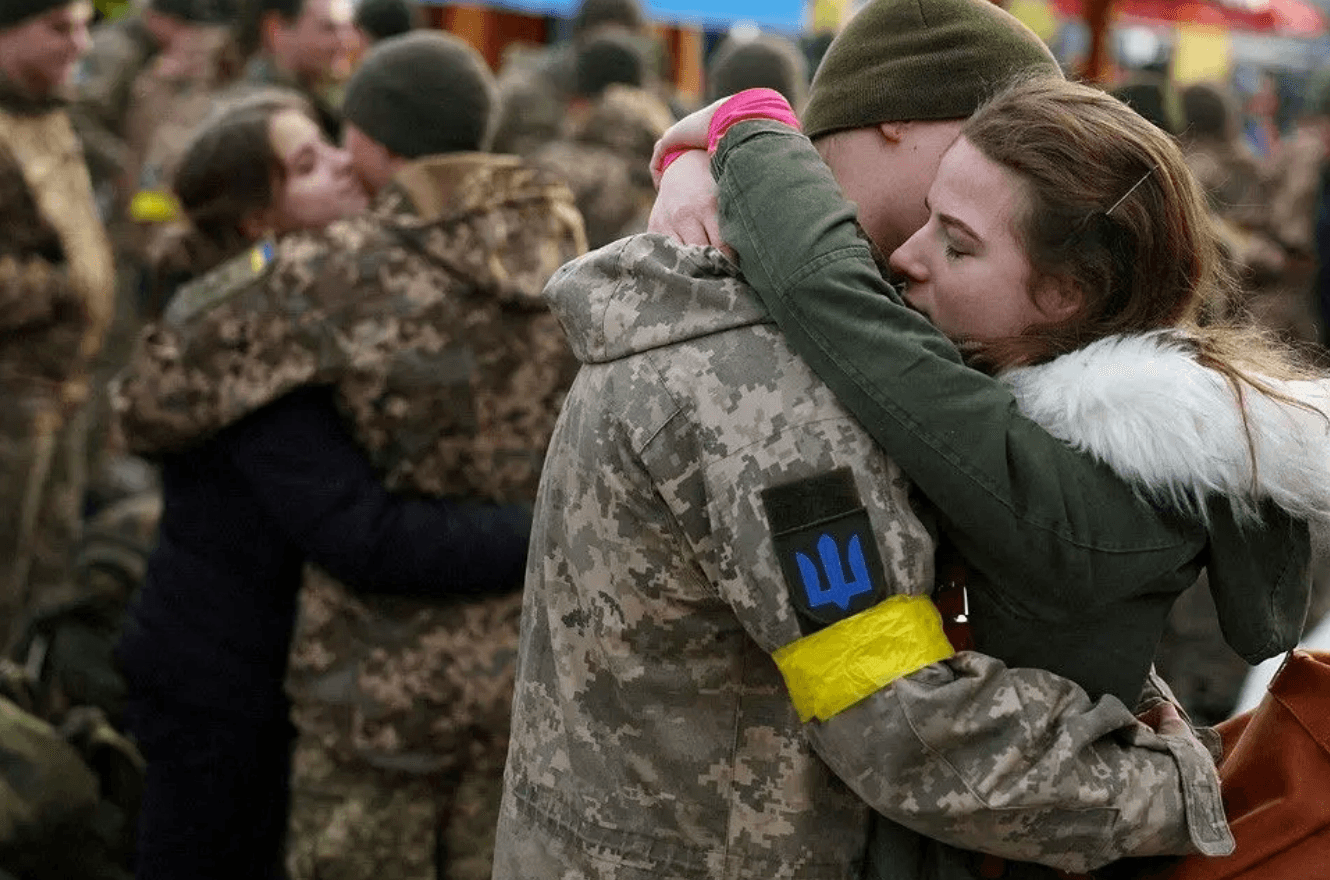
(1143, 406)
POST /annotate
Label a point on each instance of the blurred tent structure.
(1207, 25)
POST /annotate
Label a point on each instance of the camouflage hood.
(645, 292)
(482, 191)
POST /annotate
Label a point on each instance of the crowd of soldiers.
(86, 205)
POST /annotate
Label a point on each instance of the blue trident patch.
(839, 590)
(824, 542)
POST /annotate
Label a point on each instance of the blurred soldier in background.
(1268, 248)
(612, 124)
(301, 45)
(1231, 177)
(1296, 170)
(56, 301)
(57, 818)
(1315, 131)
(151, 78)
(536, 85)
(103, 83)
(1150, 93)
(377, 20)
(758, 61)
(450, 370)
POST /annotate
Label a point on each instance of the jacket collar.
(22, 103)
(648, 291)
(1172, 427)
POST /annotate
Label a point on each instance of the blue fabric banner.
(781, 15)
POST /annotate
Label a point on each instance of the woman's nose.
(904, 261)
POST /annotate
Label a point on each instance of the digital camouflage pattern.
(653, 735)
(425, 314)
(56, 300)
(605, 158)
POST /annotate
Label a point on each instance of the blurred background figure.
(603, 151)
(536, 86)
(58, 817)
(1260, 124)
(103, 83)
(303, 45)
(1150, 93)
(56, 302)
(1316, 124)
(750, 59)
(377, 20)
(1265, 210)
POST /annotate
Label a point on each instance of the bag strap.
(951, 596)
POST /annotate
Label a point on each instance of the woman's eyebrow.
(955, 223)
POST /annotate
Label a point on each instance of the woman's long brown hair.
(1112, 208)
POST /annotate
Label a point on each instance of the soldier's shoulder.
(222, 283)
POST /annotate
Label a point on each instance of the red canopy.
(1288, 17)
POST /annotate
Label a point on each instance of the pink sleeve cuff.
(668, 159)
(750, 104)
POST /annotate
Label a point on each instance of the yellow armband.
(153, 206)
(834, 668)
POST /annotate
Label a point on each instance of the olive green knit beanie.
(898, 60)
(422, 94)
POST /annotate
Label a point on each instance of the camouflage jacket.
(56, 284)
(653, 735)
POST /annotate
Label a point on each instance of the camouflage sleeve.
(247, 333)
(34, 285)
(1021, 764)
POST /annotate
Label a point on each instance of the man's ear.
(1058, 299)
(892, 131)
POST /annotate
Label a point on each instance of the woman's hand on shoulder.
(686, 207)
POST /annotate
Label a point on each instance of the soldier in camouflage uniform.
(536, 86)
(610, 129)
(707, 510)
(425, 315)
(56, 300)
